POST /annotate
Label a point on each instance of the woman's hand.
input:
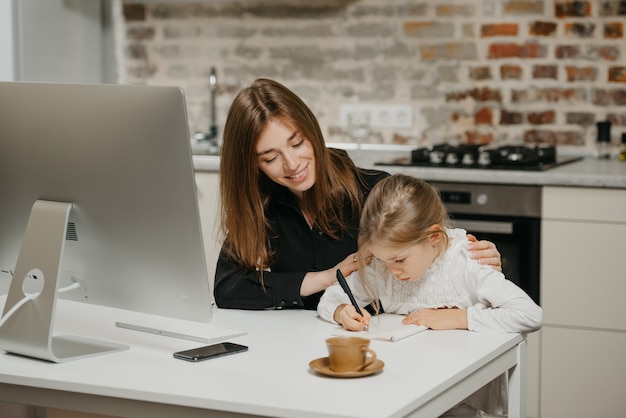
(317, 281)
(348, 317)
(445, 318)
(348, 265)
(485, 252)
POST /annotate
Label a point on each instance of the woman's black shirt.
(297, 250)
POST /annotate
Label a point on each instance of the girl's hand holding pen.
(347, 316)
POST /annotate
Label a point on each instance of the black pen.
(346, 288)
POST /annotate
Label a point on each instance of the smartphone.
(210, 351)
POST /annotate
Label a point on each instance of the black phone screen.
(210, 351)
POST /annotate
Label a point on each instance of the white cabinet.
(207, 184)
(56, 40)
(583, 284)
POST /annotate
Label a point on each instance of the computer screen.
(120, 156)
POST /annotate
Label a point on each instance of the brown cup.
(349, 354)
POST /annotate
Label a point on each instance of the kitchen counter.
(206, 162)
(589, 172)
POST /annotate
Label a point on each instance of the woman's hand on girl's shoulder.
(485, 252)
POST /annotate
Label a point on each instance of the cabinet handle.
(484, 226)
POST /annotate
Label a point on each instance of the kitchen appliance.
(505, 157)
(507, 215)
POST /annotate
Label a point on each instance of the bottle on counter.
(604, 139)
(622, 152)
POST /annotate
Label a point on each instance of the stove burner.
(537, 157)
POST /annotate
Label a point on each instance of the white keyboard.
(180, 328)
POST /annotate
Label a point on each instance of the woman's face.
(286, 156)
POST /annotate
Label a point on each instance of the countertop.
(588, 172)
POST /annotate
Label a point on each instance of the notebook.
(385, 327)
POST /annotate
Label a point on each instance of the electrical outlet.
(379, 115)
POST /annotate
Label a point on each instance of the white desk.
(424, 375)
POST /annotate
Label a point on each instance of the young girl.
(421, 268)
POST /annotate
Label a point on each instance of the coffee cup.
(349, 354)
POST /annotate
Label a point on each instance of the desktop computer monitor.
(118, 160)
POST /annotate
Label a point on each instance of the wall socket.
(378, 115)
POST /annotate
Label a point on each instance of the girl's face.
(407, 263)
(286, 156)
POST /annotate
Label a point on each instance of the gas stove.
(506, 157)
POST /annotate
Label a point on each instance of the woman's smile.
(299, 176)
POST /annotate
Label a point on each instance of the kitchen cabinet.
(583, 284)
(207, 184)
(57, 41)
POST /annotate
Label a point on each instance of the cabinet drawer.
(584, 204)
(582, 274)
(583, 373)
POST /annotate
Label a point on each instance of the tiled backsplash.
(471, 71)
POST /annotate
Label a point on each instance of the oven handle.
(490, 227)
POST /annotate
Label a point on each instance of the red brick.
(480, 95)
(523, 7)
(609, 53)
(483, 116)
(580, 30)
(140, 33)
(611, 97)
(617, 74)
(617, 119)
(134, 12)
(549, 95)
(581, 73)
(480, 73)
(545, 71)
(539, 137)
(501, 29)
(541, 118)
(542, 28)
(448, 51)
(473, 137)
(452, 10)
(510, 72)
(527, 50)
(511, 118)
(613, 30)
(567, 51)
(580, 118)
(572, 8)
(503, 51)
(543, 136)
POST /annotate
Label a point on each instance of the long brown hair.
(245, 190)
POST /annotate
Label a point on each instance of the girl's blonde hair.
(245, 191)
(400, 211)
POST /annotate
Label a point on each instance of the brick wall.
(473, 71)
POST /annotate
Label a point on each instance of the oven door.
(516, 238)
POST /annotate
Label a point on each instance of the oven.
(507, 215)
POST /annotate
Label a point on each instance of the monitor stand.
(28, 331)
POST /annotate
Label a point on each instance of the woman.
(290, 206)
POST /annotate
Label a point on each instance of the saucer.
(321, 365)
